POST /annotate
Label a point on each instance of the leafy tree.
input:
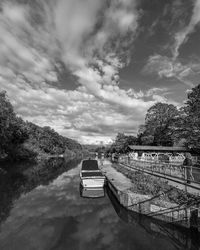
(159, 124)
(191, 125)
(6, 117)
(25, 140)
(12, 129)
(48, 141)
(121, 143)
(143, 138)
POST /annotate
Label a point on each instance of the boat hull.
(92, 182)
(92, 192)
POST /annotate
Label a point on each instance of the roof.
(91, 174)
(158, 148)
(90, 165)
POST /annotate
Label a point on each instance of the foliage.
(46, 140)
(12, 129)
(25, 140)
(159, 125)
(192, 122)
(100, 149)
(120, 145)
(165, 125)
(150, 185)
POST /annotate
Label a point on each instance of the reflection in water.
(22, 179)
(91, 192)
(181, 238)
(53, 216)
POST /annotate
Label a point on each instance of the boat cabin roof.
(92, 174)
(90, 165)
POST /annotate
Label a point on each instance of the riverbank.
(41, 211)
(152, 196)
(37, 155)
(154, 186)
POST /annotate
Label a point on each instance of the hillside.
(46, 141)
(24, 140)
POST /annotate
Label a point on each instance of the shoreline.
(156, 199)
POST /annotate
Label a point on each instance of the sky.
(91, 68)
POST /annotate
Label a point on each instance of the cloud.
(21, 47)
(75, 113)
(93, 40)
(180, 27)
(170, 68)
(182, 36)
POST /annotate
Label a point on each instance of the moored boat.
(92, 192)
(91, 176)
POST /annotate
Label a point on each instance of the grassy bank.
(154, 186)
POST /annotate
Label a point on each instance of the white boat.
(92, 192)
(91, 176)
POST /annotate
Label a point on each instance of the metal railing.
(177, 213)
(175, 170)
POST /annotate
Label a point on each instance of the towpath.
(116, 178)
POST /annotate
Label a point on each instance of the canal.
(43, 208)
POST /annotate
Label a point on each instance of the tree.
(121, 143)
(45, 140)
(25, 140)
(143, 138)
(159, 123)
(191, 125)
(6, 117)
(12, 129)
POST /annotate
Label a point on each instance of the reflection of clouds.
(56, 217)
(62, 182)
(33, 220)
(95, 228)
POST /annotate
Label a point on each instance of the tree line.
(167, 125)
(21, 139)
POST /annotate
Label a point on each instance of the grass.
(155, 186)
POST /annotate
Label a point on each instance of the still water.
(47, 210)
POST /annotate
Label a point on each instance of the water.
(46, 210)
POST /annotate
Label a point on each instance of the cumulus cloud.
(76, 114)
(21, 47)
(92, 39)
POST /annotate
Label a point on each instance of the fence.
(175, 170)
(185, 214)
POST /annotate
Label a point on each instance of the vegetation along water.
(40, 202)
(41, 208)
